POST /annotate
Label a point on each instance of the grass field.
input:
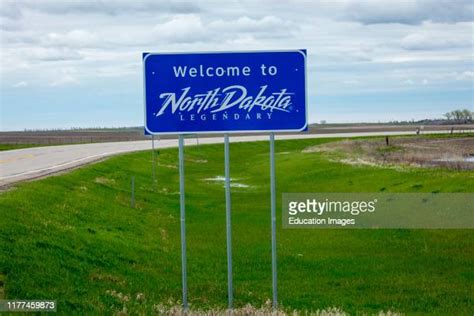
(15, 146)
(75, 238)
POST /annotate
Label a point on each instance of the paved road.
(30, 163)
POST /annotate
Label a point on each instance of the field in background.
(433, 151)
(80, 136)
(75, 238)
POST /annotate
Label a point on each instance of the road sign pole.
(228, 221)
(273, 220)
(153, 157)
(197, 143)
(183, 223)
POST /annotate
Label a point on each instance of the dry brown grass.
(172, 308)
(413, 151)
(265, 310)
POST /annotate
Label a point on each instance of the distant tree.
(467, 115)
(448, 116)
(458, 115)
(464, 115)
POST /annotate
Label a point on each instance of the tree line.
(464, 116)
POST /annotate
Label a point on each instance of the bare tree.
(458, 115)
(464, 115)
(467, 115)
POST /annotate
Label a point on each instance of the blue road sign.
(225, 92)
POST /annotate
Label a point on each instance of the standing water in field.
(232, 184)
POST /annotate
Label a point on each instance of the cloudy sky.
(78, 63)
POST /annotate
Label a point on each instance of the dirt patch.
(453, 153)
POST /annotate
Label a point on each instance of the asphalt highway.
(32, 163)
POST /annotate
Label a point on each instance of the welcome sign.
(225, 92)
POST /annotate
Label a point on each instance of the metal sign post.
(228, 221)
(153, 157)
(183, 222)
(273, 220)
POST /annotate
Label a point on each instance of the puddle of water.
(232, 184)
(465, 159)
(239, 185)
(217, 178)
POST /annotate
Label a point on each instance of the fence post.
(132, 191)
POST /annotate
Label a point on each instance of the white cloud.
(465, 75)
(65, 80)
(409, 11)
(190, 28)
(266, 24)
(74, 38)
(186, 28)
(115, 7)
(468, 74)
(427, 41)
(10, 10)
(44, 54)
(20, 84)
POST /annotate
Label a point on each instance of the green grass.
(75, 238)
(4, 147)
(17, 146)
